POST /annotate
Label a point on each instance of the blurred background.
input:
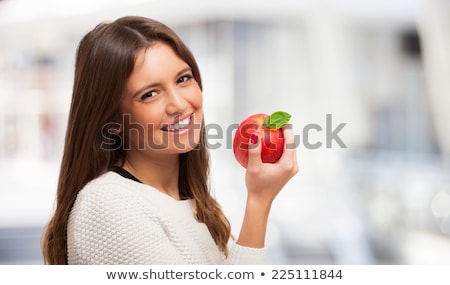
(381, 67)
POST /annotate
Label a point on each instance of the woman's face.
(162, 105)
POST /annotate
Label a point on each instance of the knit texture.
(116, 220)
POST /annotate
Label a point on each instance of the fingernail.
(254, 139)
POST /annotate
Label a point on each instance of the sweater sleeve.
(241, 255)
(112, 228)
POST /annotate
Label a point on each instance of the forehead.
(156, 56)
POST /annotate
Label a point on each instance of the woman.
(133, 184)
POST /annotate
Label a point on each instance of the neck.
(160, 172)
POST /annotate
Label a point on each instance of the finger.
(290, 151)
(289, 139)
(254, 150)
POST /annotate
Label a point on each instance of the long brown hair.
(104, 61)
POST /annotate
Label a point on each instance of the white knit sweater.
(116, 220)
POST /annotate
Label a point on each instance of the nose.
(176, 102)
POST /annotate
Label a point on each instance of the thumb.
(254, 150)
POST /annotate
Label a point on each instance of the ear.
(115, 128)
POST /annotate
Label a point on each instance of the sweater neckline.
(124, 173)
(128, 176)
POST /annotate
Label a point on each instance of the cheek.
(138, 124)
(197, 104)
(196, 97)
(139, 120)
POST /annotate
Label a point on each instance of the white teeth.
(180, 125)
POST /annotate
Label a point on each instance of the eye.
(185, 78)
(148, 95)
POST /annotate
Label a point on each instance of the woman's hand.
(264, 181)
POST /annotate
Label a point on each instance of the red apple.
(268, 129)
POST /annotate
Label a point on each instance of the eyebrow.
(149, 86)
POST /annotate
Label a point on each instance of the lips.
(181, 123)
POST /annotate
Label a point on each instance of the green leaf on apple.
(277, 120)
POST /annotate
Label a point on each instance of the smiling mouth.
(180, 125)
